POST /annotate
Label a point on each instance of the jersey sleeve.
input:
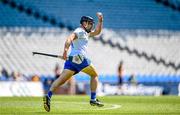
(78, 32)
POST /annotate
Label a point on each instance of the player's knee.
(63, 81)
(94, 75)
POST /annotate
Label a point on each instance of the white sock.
(93, 99)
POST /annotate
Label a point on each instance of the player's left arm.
(99, 26)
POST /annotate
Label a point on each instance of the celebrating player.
(77, 60)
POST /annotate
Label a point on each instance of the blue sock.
(93, 95)
(49, 94)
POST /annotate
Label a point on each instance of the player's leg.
(90, 70)
(94, 77)
(65, 75)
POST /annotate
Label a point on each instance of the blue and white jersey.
(79, 45)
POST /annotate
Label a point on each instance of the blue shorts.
(76, 67)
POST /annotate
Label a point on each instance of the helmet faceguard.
(88, 19)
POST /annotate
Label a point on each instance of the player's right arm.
(67, 44)
(99, 26)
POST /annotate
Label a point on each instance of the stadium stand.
(139, 14)
(17, 46)
(173, 4)
(142, 33)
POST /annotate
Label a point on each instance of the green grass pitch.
(79, 105)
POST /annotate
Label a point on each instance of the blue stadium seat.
(119, 14)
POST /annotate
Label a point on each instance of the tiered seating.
(160, 47)
(16, 52)
(118, 14)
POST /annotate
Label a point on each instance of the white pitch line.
(27, 104)
(113, 106)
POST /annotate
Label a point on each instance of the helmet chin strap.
(86, 29)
